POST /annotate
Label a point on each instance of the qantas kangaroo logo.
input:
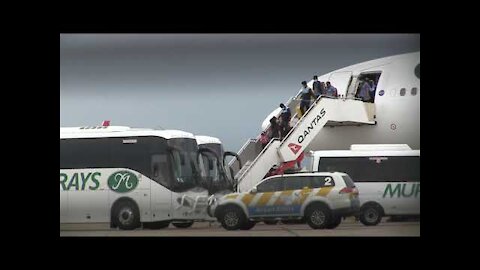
(294, 147)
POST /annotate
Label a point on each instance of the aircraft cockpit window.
(417, 71)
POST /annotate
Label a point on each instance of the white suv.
(319, 198)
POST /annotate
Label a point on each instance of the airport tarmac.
(203, 229)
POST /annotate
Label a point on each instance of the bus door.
(190, 196)
(212, 177)
(160, 193)
(229, 171)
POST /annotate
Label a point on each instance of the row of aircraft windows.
(413, 91)
(403, 92)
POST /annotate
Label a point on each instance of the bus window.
(375, 169)
(84, 153)
(210, 168)
(181, 169)
(160, 169)
(133, 156)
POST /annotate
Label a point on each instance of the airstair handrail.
(303, 116)
(258, 136)
(240, 178)
(245, 145)
(288, 103)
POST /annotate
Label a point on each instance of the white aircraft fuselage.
(397, 104)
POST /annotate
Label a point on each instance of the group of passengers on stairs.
(280, 127)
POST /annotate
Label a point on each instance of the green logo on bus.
(122, 181)
(402, 190)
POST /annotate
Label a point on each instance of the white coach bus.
(128, 177)
(220, 176)
(387, 177)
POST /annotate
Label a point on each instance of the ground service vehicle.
(321, 199)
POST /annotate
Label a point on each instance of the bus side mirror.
(253, 190)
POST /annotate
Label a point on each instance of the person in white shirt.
(306, 95)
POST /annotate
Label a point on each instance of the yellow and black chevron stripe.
(287, 197)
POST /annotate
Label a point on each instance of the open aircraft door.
(341, 81)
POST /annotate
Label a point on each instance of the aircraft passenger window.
(414, 91)
(417, 71)
(402, 92)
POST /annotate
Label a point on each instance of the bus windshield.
(185, 162)
(212, 172)
(213, 168)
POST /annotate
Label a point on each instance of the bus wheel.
(335, 222)
(183, 225)
(232, 218)
(371, 214)
(318, 216)
(126, 215)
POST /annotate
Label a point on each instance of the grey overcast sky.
(223, 85)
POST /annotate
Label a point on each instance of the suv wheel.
(232, 218)
(318, 216)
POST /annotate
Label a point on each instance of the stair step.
(243, 169)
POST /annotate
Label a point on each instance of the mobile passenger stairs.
(324, 111)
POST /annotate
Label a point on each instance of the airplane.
(396, 104)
